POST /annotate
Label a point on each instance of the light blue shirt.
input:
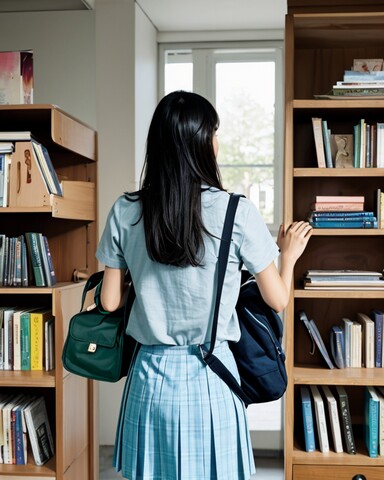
(175, 305)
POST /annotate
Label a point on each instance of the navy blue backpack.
(259, 354)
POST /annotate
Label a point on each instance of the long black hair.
(180, 161)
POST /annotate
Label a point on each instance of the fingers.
(300, 227)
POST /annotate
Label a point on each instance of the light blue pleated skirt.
(179, 421)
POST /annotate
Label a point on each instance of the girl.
(178, 420)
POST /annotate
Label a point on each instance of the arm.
(274, 285)
(113, 291)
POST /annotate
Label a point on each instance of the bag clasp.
(92, 347)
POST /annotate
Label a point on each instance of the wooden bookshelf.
(321, 40)
(70, 224)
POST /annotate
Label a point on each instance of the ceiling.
(181, 15)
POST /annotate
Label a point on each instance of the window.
(245, 86)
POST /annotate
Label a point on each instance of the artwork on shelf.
(16, 77)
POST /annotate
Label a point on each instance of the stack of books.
(343, 280)
(364, 79)
(340, 211)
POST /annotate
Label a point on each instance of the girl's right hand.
(293, 240)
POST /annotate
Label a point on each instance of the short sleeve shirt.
(174, 305)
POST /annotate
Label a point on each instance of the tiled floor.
(268, 468)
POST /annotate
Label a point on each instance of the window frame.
(205, 55)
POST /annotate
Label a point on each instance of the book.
(368, 340)
(31, 239)
(347, 327)
(344, 275)
(380, 394)
(38, 320)
(371, 421)
(339, 199)
(315, 215)
(16, 77)
(327, 144)
(346, 223)
(15, 136)
(5, 175)
(333, 415)
(345, 419)
(356, 338)
(8, 338)
(319, 143)
(308, 421)
(39, 431)
(337, 207)
(378, 318)
(337, 345)
(16, 364)
(316, 337)
(48, 269)
(8, 453)
(49, 344)
(20, 432)
(46, 167)
(320, 419)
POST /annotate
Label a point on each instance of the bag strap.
(95, 280)
(225, 244)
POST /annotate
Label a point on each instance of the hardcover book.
(334, 421)
(345, 419)
(39, 431)
(320, 419)
(371, 420)
(308, 421)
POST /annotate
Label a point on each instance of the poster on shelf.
(16, 77)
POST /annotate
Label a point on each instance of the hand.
(293, 240)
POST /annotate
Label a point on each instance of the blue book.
(337, 345)
(344, 223)
(308, 423)
(316, 215)
(371, 421)
(378, 316)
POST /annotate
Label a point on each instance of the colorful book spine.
(38, 320)
(308, 423)
(378, 317)
(371, 421)
(36, 260)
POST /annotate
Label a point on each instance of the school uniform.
(178, 420)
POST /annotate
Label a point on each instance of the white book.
(16, 340)
(356, 345)
(368, 340)
(347, 324)
(6, 171)
(39, 431)
(333, 419)
(320, 419)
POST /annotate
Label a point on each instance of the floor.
(268, 467)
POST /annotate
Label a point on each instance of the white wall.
(64, 57)
(126, 97)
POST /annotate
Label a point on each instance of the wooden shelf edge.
(353, 294)
(343, 376)
(47, 470)
(27, 378)
(350, 103)
(338, 172)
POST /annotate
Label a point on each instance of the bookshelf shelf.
(70, 225)
(344, 376)
(322, 39)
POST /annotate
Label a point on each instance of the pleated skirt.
(180, 421)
